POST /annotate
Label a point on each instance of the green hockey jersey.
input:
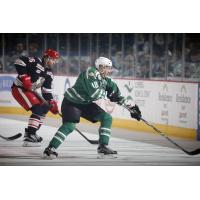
(91, 86)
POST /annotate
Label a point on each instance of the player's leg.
(44, 111)
(70, 116)
(29, 101)
(94, 113)
(25, 98)
(58, 139)
(104, 135)
(31, 138)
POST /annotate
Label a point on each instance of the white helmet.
(103, 61)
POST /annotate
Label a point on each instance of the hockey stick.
(46, 103)
(194, 152)
(90, 141)
(14, 137)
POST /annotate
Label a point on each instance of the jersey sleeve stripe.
(96, 93)
(46, 90)
(77, 95)
(72, 95)
(40, 67)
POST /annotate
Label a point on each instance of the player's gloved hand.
(135, 112)
(26, 81)
(114, 97)
(53, 107)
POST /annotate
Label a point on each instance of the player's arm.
(113, 92)
(21, 68)
(47, 93)
(21, 65)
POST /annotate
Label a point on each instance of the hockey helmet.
(103, 61)
(51, 54)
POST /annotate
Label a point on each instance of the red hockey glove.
(54, 107)
(26, 82)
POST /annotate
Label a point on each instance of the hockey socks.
(105, 128)
(104, 135)
(34, 123)
(61, 134)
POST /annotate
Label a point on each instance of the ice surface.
(77, 151)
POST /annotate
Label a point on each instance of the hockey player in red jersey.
(34, 73)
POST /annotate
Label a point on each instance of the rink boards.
(172, 106)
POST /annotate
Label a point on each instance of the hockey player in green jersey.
(91, 85)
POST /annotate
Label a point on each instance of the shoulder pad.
(20, 62)
(92, 72)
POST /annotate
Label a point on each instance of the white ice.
(77, 151)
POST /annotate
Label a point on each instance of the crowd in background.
(144, 56)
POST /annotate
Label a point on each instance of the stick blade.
(195, 152)
(94, 141)
(14, 137)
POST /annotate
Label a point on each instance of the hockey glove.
(26, 82)
(135, 112)
(114, 97)
(53, 107)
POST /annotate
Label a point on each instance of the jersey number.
(95, 85)
(31, 59)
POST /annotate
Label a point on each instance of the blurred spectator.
(1, 65)
(62, 65)
(142, 70)
(175, 64)
(159, 44)
(142, 61)
(129, 65)
(117, 60)
(10, 58)
(140, 42)
(195, 55)
(73, 66)
(84, 63)
(131, 53)
(175, 69)
(20, 50)
(93, 57)
(34, 50)
(159, 56)
(192, 56)
(197, 73)
(190, 70)
(158, 67)
(103, 54)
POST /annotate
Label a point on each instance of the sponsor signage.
(171, 103)
(6, 83)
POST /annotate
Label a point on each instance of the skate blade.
(31, 144)
(51, 157)
(109, 156)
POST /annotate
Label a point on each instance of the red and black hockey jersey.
(40, 76)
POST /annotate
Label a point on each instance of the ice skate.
(105, 152)
(50, 153)
(31, 140)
